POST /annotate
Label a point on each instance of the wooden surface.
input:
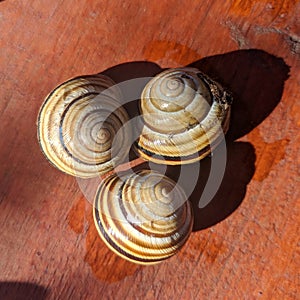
(245, 243)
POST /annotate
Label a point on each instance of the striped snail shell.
(77, 124)
(185, 115)
(143, 217)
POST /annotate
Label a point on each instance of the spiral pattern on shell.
(185, 116)
(77, 124)
(143, 217)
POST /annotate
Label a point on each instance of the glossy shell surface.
(186, 115)
(77, 125)
(143, 217)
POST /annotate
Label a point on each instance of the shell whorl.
(143, 217)
(185, 116)
(77, 124)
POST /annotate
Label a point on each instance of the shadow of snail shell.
(143, 217)
(77, 124)
(185, 114)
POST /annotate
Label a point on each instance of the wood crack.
(292, 39)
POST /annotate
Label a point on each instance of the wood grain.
(245, 243)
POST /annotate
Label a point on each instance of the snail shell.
(77, 124)
(185, 116)
(144, 217)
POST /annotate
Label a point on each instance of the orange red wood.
(245, 243)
